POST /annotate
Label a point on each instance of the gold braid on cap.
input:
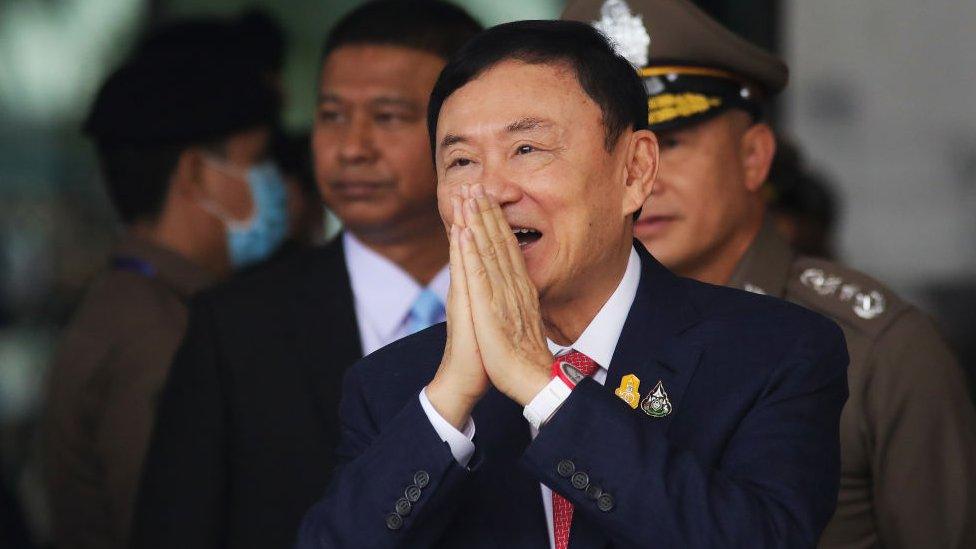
(648, 72)
(666, 107)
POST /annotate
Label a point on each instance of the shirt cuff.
(545, 404)
(461, 442)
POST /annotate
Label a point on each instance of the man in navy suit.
(580, 395)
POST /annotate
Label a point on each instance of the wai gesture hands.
(494, 322)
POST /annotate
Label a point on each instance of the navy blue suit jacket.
(749, 456)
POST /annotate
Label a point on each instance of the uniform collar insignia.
(626, 31)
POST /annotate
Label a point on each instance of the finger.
(498, 237)
(475, 275)
(485, 247)
(511, 247)
(459, 277)
(456, 212)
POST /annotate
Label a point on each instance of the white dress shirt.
(598, 341)
(383, 294)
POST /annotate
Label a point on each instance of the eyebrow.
(452, 139)
(528, 124)
(327, 97)
(382, 101)
(395, 102)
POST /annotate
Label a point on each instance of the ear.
(187, 181)
(758, 147)
(641, 170)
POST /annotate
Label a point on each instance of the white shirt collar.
(383, 291)
(599, 339)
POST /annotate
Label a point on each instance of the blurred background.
(883, 162)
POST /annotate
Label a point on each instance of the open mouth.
(526, 236)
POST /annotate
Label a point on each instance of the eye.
(524, 149)
(459, 163)
(387, 117)
(329, 116)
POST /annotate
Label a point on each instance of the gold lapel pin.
(628, 390)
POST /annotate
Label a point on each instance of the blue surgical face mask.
(251, 241)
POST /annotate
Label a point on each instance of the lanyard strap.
(134, 265)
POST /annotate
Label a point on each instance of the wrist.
(451, 403)
(529, 385)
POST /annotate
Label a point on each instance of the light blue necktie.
(426, 310)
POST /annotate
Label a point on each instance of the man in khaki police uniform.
(908, 431)
(182, 145)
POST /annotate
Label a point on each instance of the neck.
(179, 237)
(421, 252)
(566, 319)
(720, 265)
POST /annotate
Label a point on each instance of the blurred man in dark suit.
(248, 420)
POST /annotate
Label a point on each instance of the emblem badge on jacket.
(655, 404)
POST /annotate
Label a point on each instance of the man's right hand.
(460, 381)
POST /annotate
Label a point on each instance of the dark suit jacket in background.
(247, 423)
(748, 457)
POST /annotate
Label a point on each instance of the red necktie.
(562, 509)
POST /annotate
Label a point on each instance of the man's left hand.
(504, 302)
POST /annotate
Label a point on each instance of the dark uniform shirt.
(908, 431)
(110, 365)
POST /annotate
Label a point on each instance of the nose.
(503, 188)
(357, 145)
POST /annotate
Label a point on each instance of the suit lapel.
(650, 347)
(328, 335)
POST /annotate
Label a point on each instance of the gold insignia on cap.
(628, 390)
(668, 106)
(657, 403)
(625, 30)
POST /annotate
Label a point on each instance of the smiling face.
(370, 146)
(536, 141)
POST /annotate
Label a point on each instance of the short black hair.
(175, 92)
(432, 26)
(607, 78)
(137, 177)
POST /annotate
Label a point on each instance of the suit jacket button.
(565, 468)
(394, 521)
(412, 493)
(403, 507)
(594, 492)
(604, 502)
(421, 479)
(580, 480)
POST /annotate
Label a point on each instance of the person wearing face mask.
(182, 149)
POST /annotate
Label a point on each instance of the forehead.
(513, 90)
(364, 69)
